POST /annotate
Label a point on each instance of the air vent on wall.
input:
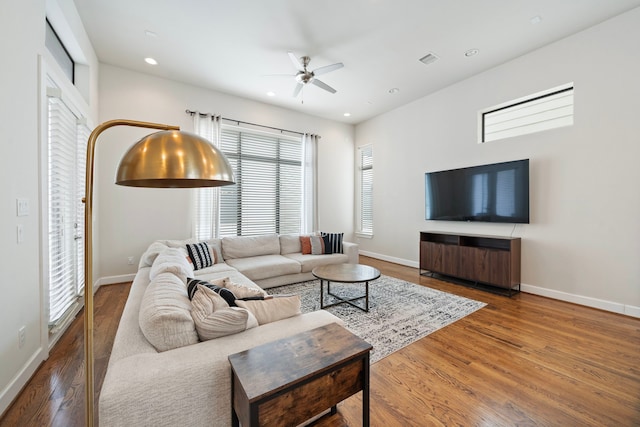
(429, 58)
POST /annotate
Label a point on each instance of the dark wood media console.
(486, 260)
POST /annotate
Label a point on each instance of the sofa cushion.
(333, 241)
(165, 313)
(273, 309)
(290, 243)
(309, 262)
(150, 255)
(217, 286)
(305, 244)
(318, 246)
(250, 246)
(171, 260)
(243, 291)
(262, 267)
(200, 255)
(214, 318)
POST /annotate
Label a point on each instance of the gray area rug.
(400, 312)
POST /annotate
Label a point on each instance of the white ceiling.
(231, 45)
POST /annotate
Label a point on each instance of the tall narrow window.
(268, 195)
(365, 191)
(66, 152)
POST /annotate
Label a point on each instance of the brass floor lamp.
(165, 159)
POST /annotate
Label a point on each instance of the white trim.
(600, 304)
(112, 280)
(22, 377)
(394, 260)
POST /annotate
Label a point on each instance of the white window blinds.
(268, 195)
(365, 190)
(535, 113)
(66, 163)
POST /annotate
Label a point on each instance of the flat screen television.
(496, 192)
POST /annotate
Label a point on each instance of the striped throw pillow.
(200, 255)
(333, 241)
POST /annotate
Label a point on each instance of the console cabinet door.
(500, 268)
(431, 256)
(451, 260)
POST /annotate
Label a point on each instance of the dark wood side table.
(292, 380)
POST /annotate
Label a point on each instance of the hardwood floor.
(525, 360)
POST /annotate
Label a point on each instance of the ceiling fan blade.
(297, 89)
(278, 75)
(323, 85)
(327, 68)
(296, 61)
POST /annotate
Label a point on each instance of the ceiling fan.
(304, 76)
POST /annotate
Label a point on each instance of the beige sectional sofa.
(191, 383)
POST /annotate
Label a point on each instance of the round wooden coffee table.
(345, 273)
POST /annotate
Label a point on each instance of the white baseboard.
(605, 305)
(111, 280)
(20, 380)
(394, 260)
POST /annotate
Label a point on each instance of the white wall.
(583, 243)
(129, 219)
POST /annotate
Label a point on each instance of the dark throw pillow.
(192, 287)
(200, 255)
(333, 242)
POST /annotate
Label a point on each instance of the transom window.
(534, 113)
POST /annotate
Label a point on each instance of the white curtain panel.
(310, 183)
(206, 200)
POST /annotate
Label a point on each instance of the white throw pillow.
(214, 318)
(242, 291)
(273, 309)
(171, 260)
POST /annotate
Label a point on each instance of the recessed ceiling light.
(150, 61)
(150, 33)
(270, 93)
(471, 52)
(394, 90)
(347, 114)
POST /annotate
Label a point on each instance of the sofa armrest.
(352, 251)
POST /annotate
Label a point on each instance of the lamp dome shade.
(174, 159)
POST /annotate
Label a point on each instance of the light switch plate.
(22, 207)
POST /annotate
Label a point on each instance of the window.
(268, 195)
(365, 191)
(59, 52)
(66, 153)
(542, 111)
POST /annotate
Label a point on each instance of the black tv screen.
(497, 192)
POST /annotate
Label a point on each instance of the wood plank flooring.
(525, 360)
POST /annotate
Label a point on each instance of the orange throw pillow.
(305, 242)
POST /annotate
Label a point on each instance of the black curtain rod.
(191, 113)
